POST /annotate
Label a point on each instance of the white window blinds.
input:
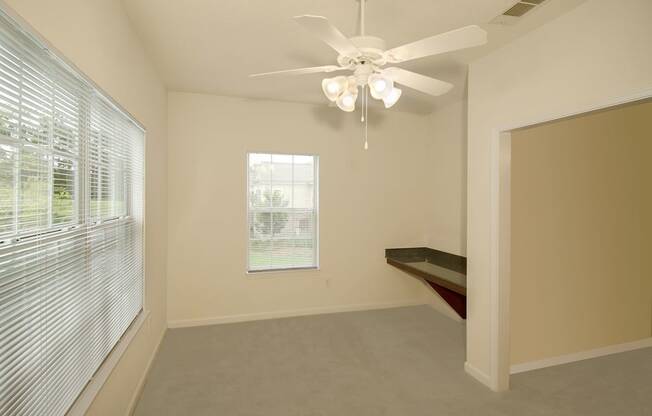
(71, 243)
(282, 211)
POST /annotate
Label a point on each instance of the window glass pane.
(66, 125)
(119, 193)
(260, 169)
(64, 194)
(304, 168)
(281, 195)
(33, 203)
(7, 191)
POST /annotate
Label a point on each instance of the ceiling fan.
(366, 56)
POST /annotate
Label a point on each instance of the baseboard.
(579, 356)
(477, 374)
(141, 383)
(183, 323)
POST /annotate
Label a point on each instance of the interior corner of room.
(441, 207)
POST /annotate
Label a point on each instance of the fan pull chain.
(366, 118)
(364, 89)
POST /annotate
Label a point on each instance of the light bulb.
(380, 86)
(393, 97)
(333, 87)
(346, 101)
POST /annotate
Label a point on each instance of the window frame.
(316, 234)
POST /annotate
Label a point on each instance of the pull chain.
(364, 88)
(366, 118)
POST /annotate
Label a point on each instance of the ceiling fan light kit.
(333, 87)
(366, 56)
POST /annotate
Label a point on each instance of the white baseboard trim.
(579, 356)
(184, 323)
(141, 383)
(477, 374)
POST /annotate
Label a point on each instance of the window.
(282, 212)
(71, 249)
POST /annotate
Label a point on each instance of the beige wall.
(593, 55)
(448, 178)
(579, 263)
(96, 37)
(369, 201)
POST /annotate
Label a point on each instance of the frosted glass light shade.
(393, 97)
(380, 86)
(333, 87)
(346, 101)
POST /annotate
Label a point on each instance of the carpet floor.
(403, 361)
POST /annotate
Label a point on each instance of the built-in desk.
(444, 272)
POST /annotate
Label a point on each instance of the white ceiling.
(211, 46)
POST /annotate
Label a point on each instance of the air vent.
(519, 9)
(514, 13)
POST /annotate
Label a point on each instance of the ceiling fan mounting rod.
(362, 17)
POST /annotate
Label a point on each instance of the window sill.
(270, 273)
(85, 399)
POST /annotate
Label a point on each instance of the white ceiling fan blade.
(462, 38)
(322, 28)
(418, 82)
(301, 71)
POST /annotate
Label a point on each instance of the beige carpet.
(405, 361)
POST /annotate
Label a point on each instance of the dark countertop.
(444, 269)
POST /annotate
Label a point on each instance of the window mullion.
(292, 217)
(83, 169)
(51, 157)
(271, 214)
(19, 156)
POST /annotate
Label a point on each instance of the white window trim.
(262, 274)
(94, 386)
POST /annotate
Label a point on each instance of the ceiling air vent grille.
(519, 9)
(515, 12)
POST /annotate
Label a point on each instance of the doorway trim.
(501, 166)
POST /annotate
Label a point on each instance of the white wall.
(96, 37)
(596, 54)
(447, 159)
(369, 201)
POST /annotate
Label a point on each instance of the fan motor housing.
(371, 47)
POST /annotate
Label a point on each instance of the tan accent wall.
(96, 36)
(580, 269)
(369, 201)
(596, 54)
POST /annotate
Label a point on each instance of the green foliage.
(32, 175)
(269, 223)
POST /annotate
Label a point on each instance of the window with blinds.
(282, 211)
(71, 227)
